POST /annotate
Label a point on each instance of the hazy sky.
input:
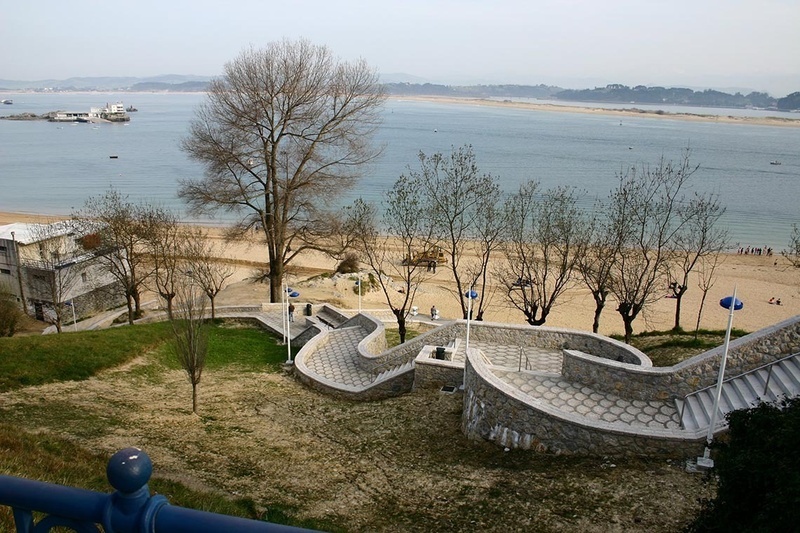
(572, 43)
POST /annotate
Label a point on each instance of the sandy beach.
(756, 278)
(632, 111)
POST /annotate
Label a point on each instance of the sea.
(52, 168)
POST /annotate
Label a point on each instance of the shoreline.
(757, 278)
(626, 112)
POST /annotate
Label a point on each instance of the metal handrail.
(527, 360)
(130, 508)
(769, 365)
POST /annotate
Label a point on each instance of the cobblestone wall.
(744, 354)
(435, 373)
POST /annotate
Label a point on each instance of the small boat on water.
(774, 162)
(8, 102)
(131, 109)
(113, 157)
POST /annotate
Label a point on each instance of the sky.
(724, 44)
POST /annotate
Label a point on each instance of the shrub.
(758, 472)
(10, 313)
(349, 264)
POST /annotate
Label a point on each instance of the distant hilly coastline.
(613, 93)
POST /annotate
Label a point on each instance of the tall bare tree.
(191, 337)
(390, 252)
(707, 277)
(205, 264)
(124, 231)
(461, 203)
(546, 236)
(644, 213)
(165, 240)
(700, 237)
(597, 263)
(285, 130)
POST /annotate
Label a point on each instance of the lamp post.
(358, 284)
(289, 293)
(733, 304)
(471, 295)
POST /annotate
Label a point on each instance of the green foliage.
(349, 264)
(758, 471)
(10, 313)
(26, 361)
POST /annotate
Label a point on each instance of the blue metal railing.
(130, 509)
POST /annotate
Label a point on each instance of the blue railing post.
(131, 509)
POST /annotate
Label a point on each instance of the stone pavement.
(335, 358)
(576, 399)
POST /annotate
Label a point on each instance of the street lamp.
(733, 304)
(471, 295)
(358, 284)
(288, 293)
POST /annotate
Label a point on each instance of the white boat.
(774, 162)
(8, 102)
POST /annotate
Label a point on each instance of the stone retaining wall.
(495, 412)
(744, 354)
(434, 373)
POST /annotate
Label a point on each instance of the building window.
(5, 271)
(3, 249)
(84, 277)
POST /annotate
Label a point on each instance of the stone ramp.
(577, 399)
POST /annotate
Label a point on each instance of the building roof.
(28, 233)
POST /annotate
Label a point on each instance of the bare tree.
(205, 263)
(489, 226)
(165, 239)
(191, 338)
(546, 236)
(644, 213)
(460, 200)
(52, 276)
(707, 276)
(699, 238)
(792, 253)
(124, 232)
(285, 130)
(390, 253)
(597, 263)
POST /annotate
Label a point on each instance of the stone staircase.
(394, 371)
(768, 383)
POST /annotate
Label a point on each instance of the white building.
(50, 266)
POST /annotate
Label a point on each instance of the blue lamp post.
(471, 295)
(290, 293)
(732, 304)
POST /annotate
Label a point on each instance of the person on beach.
(434, 312)
(291, 312)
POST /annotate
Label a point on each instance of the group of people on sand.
(776, 301)
(752, 250)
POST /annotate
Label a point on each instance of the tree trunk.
(137, 299)
(213, 308)
(599, 304)
(275, 280)
(129, 302)
(400, 314)
(194, 398)
(628, 321)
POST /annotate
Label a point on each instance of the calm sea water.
(52, 168)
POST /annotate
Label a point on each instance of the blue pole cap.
(471, 294)
(294, 294)
(730, 300)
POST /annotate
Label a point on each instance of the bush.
(758, 471)
(349, 264)
(10, 313)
